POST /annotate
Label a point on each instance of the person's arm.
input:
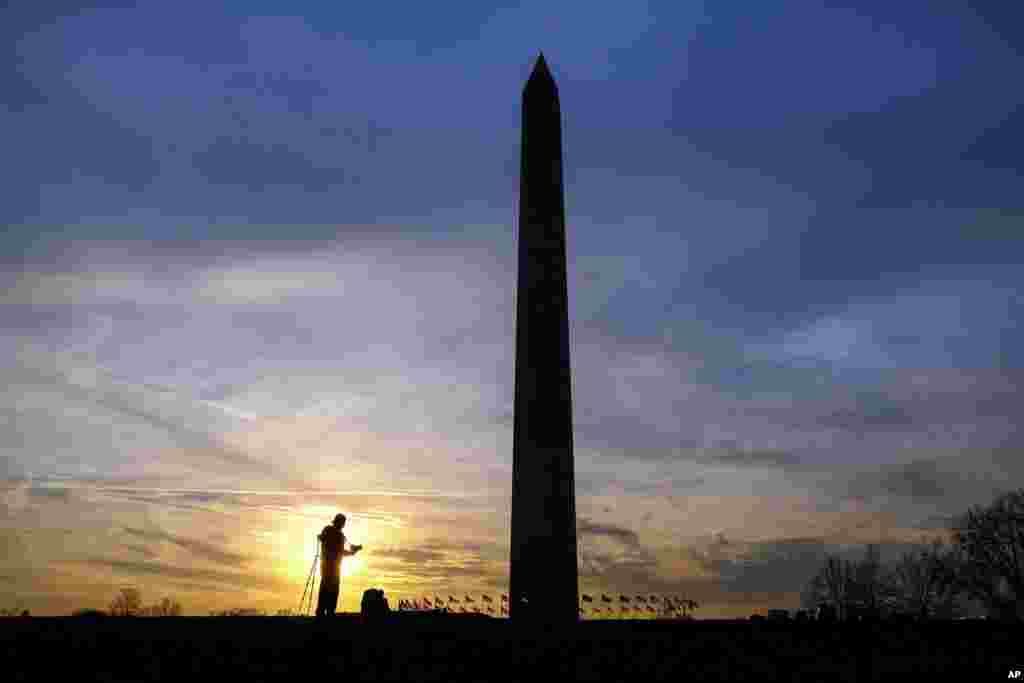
(355, 549)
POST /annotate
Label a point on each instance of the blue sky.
(258, 266)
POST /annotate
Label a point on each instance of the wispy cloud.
(197, 547)
(220, 579)
(754, 458)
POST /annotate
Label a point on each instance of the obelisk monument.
(543, 572)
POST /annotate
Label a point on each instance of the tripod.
(311, 579)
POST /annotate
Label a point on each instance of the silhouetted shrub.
(239, 612)
(128, 603)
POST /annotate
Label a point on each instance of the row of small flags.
(652, 600)
(414, 604)
(611, 610)
(650, 603)
(439, 602)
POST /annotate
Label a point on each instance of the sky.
(257, 266)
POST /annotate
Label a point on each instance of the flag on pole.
(587, 598)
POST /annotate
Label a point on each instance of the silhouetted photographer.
(332, 549)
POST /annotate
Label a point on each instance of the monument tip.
(541, 72)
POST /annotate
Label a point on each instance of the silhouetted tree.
(127, 603)
(925, 582)
(866, 587)
(814, 593)
(833, 585)
(991, 545)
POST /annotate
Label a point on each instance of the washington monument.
(543, 579)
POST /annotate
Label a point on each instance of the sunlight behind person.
(351, 565)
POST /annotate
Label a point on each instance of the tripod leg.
(315, 575)
(308, 579)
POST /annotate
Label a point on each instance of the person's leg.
(322, 599)
(332, 599)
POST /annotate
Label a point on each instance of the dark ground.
(427, 648)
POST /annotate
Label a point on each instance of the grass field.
(429, 648)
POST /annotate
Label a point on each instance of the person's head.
(339, 520)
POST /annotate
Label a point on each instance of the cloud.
(218, 579)
(188, 425)
(435, 561)
(54, 493)
(199, 548)
(146, 552)
(409, 555)
(755, 458)
(782, 565)
(157, 499)
(205, 497)
(627, 537)
(918, 479)
(12, 543)
(868, 418)
(952, 481)
(624, 555)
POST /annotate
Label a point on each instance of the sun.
(351, 566)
